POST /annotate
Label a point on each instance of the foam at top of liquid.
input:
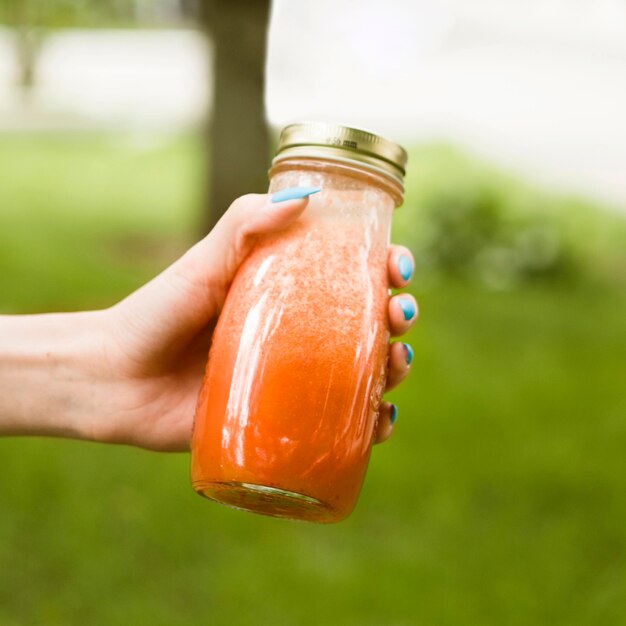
(359, 204)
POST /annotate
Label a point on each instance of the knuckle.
(242, 203)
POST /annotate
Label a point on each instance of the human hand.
(155, 342)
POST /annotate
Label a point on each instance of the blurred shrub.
(466, 219)
(475, 233)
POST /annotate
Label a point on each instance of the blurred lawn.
(501, 500)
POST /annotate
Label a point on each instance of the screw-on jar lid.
(342, 143)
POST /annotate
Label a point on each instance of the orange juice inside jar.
(288, 407)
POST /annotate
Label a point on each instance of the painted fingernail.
(408, 308)
(394, 414)
(294, 193)
(405, 266)
(409, 353)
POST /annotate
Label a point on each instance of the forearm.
(47, 367)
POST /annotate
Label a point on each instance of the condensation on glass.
(288, 407)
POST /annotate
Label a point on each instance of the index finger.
(401, 265)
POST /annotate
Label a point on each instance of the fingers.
(400, 262)
(402, 308)
(386, 419)
(400, 357)
(403, 313)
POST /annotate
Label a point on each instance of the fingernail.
(294, 193)
(405, 266)
(408, 308)
(409, 353)
(394, 414)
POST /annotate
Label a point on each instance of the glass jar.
(287, 412)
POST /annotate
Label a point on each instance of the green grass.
(500, 501)
(86, 219)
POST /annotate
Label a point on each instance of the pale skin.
(130, 374)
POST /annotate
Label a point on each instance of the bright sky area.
(538, 86)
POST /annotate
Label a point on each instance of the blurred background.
(127, 126)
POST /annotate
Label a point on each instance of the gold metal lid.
(342, 143)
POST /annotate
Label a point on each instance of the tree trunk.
(238, 137)
(27, 44)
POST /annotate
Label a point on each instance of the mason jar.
(287, 412)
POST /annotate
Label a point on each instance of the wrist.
(48, 373)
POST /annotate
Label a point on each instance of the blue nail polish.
(394, 414)
(294, 193)
(408, 308)
(409, 353)
(405, 266)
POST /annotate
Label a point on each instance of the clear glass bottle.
(287, 412)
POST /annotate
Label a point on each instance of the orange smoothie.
(287, 413)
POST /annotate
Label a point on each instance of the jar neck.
(351, 170)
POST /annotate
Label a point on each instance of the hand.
(156, 341)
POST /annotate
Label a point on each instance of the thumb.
(214, 260)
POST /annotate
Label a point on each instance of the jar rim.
(343, 144)
(347, 166)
